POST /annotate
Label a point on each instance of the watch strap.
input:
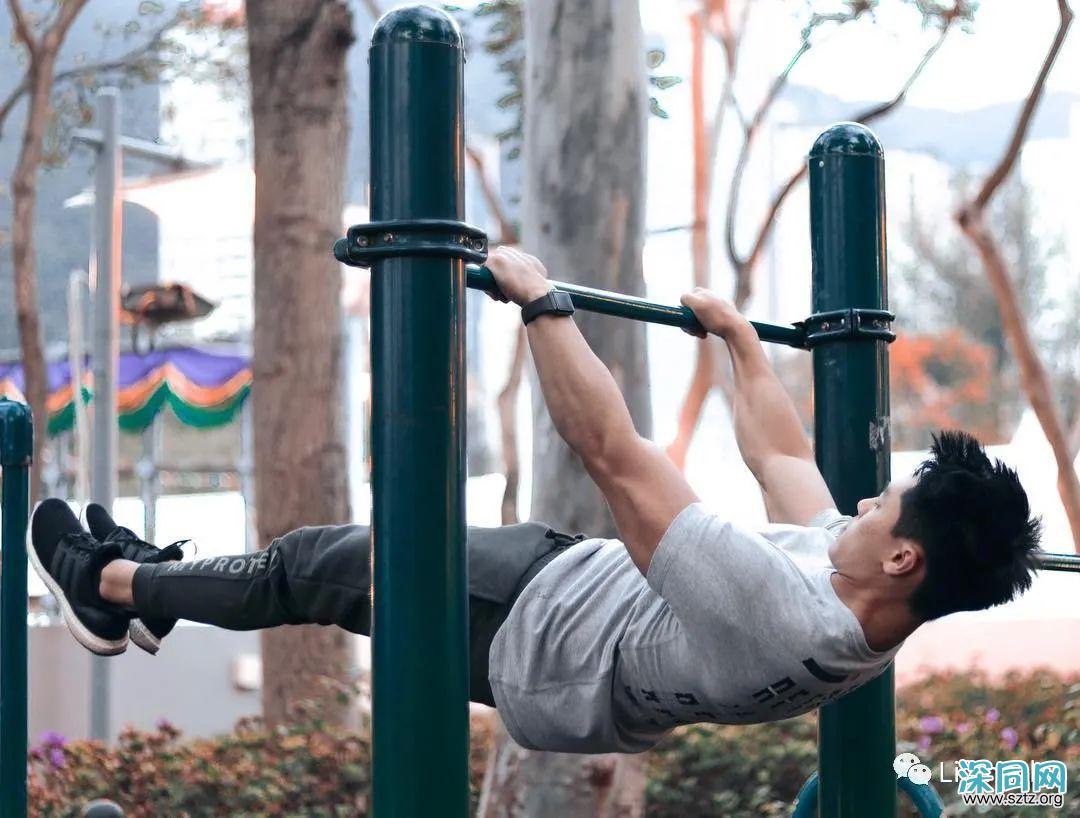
(554, 302)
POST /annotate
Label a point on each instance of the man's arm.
(767, 427)
(643, 488)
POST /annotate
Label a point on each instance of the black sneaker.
(69, 562)
(146, 632)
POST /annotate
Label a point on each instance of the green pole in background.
(16, 446)
(420, 613)
(857, 734)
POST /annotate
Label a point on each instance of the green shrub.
(309, 770)
(753, 771)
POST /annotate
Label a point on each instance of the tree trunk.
(585, 108)
(298, 91)
(506, 404)
(584, 210)
(41, 54)
(701, 382)
(1034, 379)
(24, 267)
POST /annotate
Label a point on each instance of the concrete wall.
(190, 683)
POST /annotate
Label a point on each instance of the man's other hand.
(521, 277)
(716, 314)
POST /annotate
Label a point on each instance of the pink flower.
(992, 715)
(924, 743)
(931, 724)
(50, 738)
(56, 757)
(963, 727)
(1009, 736)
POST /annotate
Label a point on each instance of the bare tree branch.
(711, 368)
(1008, 159)
(508, 233)
(1074, 438)
(744, 265)
(105, 66)
(751, 130)
(1034, 378)
(22, 28)
(373, 9)
(57, 31)
(730, 39)
(506, 403)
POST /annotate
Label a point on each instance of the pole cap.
(847, 139)
(16, 433)
(417, 24)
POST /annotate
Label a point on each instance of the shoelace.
(172, 551)
(80, 542)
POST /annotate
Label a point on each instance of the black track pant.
(322, 575)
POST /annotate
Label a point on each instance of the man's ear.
(903, 559)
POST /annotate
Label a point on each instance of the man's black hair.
(971, 517)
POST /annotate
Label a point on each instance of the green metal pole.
(420, 614)
(16, 446)
(857, 733)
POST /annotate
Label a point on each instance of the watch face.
(561, 301)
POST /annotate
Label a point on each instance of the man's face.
(868, 542)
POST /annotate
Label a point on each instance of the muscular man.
(593, 645)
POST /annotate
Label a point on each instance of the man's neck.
(885, 621)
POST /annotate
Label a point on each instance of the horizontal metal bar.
(143, 148)
(1057, 562)
(639, 309)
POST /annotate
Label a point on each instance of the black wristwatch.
(555, 302)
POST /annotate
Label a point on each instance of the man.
(591, 645)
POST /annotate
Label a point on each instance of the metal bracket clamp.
(365, 244)
(854, 324)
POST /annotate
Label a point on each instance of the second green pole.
(420, 607)
(857, 734)
(16, 447)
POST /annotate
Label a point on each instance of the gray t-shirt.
(731, 626)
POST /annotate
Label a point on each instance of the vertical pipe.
(857, 736)
(77, 281)
(107, 227)
(420, 617)
(146, 469)
(16, 445)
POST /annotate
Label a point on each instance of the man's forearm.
(584, 401)
(766, 422)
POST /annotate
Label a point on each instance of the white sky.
(867, 60)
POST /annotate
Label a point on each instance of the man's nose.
(861, 506)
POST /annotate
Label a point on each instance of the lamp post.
(111, 147)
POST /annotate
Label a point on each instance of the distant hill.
(961, 139)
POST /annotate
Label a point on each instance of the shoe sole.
(142, 636)
(83, 635)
